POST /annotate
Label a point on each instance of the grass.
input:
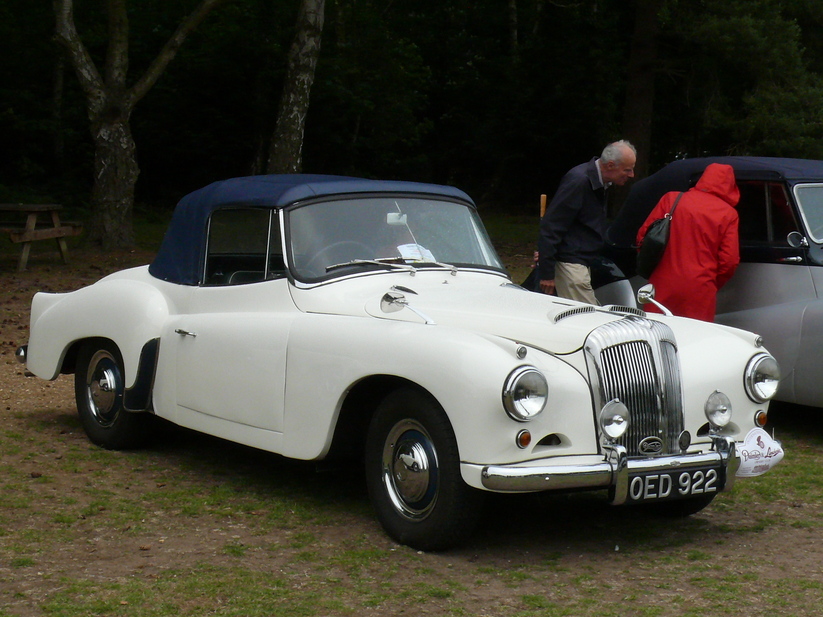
(278, 541)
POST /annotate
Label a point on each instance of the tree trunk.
(642, 69)
(115, 173)
(513, 40)
(286, 152)
(109, 104)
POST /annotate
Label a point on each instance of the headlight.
(762, 378)
(718, 409)
(525, 393)
(614, 419)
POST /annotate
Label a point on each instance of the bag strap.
(670, 213)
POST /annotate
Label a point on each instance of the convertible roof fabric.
(181, 253)
(679, 176)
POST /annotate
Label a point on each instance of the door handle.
(182, 332)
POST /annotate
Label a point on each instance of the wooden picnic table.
(28, 232)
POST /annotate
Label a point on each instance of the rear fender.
(129, 313)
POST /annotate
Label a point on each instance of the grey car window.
(766, 216)
(810, 199)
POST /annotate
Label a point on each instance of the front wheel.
(99, 385)
(413, 474)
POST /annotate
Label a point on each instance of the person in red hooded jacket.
(703, 249)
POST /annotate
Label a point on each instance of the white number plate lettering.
(673, 484)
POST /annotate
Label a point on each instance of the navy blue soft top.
(181, 253)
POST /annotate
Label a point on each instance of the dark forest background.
(496, 97)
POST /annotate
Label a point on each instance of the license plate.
(675, 484)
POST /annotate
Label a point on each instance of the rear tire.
(99, 385)
(413, 474)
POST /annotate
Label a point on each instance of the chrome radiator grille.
(635, 361)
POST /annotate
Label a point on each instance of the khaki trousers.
(574, 281)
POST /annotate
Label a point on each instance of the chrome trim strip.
(527, 479)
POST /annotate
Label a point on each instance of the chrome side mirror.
(392, 301)
(645, 295)
(797, 240)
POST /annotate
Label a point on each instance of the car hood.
(483, 303)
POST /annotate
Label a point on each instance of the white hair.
(613, 153)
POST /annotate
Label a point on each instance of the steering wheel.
(339, 252)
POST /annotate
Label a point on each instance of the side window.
(783, 219)
(766, 216)
(752, 208)
(239, 249)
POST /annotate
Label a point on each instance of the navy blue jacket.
(573, 228)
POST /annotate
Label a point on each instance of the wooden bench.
(28, 232)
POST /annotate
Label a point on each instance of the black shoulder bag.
(654, 243)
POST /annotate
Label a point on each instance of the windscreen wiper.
(391, 262)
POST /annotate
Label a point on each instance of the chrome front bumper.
(614, 472)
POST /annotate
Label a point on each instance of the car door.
(231, 342)
(773, 284)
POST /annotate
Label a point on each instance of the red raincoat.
(703, 249)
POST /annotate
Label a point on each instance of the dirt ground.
(527, 547)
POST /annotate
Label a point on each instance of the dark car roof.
(679, 175)
(180, 257)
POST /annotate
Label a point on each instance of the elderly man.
(571, 231)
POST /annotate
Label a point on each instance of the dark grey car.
(776, 290)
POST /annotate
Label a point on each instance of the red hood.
(718, 180)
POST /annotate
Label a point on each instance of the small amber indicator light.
(760, 418)
(524, 438)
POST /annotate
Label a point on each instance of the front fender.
(464, 371)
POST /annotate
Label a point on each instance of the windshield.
(334, 238)
(810, 199)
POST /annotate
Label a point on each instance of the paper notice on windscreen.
(758, 453)
(415, 252)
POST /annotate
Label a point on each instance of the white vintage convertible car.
(321, 317)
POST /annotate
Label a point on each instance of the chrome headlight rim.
(614, 420)
(762, 378)
(718, 409)
(525, 393)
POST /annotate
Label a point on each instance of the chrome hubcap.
(410, 471)
(104, 388)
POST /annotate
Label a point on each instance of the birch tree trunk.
(109, 105)
(286, 149)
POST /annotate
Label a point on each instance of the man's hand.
(547, 287)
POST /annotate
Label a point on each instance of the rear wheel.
(99, 385)
(413, 474)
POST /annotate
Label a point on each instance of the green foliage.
(431, 90)
(739, 80)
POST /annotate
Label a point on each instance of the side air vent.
(625, 310)
(579, 310)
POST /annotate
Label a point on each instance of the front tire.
(99, 385)
(413, 474)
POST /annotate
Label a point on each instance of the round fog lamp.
(718, 409)
(614, 419)
(525, 393)
(762, 378)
